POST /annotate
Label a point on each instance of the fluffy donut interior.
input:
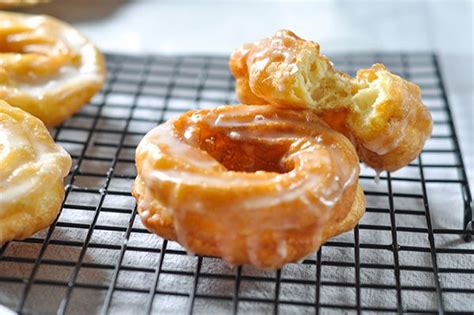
(320, 86)
(372, 92)
(323, 89)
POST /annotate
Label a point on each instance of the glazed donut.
(31, 174)
(380, 112)
(250, 184)
(47, 68)
(159, 220)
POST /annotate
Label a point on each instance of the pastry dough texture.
(380, 112)
(47, 68)
(250, 184)
(31, 174)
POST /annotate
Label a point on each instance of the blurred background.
(217, 27)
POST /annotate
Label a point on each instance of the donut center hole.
(246, 155)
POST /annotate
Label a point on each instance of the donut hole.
(247, 155)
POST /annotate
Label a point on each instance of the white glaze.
(377, 177)
(278, 53)
(26, 162)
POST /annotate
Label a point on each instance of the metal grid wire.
(98, 258)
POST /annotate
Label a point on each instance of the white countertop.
(217, 27)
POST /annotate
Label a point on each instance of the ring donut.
(31, 174)
(47, 68)
(380, 112)
(250, 184)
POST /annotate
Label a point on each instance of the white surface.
(6, 311)
(217, 27)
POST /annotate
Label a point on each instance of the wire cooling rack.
(406, 255)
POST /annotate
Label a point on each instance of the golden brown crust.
(383, 113)
(287, 71)
(51, 70)
(336, 226)
(245, 95)
(160, 221)
(31, 176)
(249, 184)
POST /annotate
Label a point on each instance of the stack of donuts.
(268, 181)
(48, 70)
